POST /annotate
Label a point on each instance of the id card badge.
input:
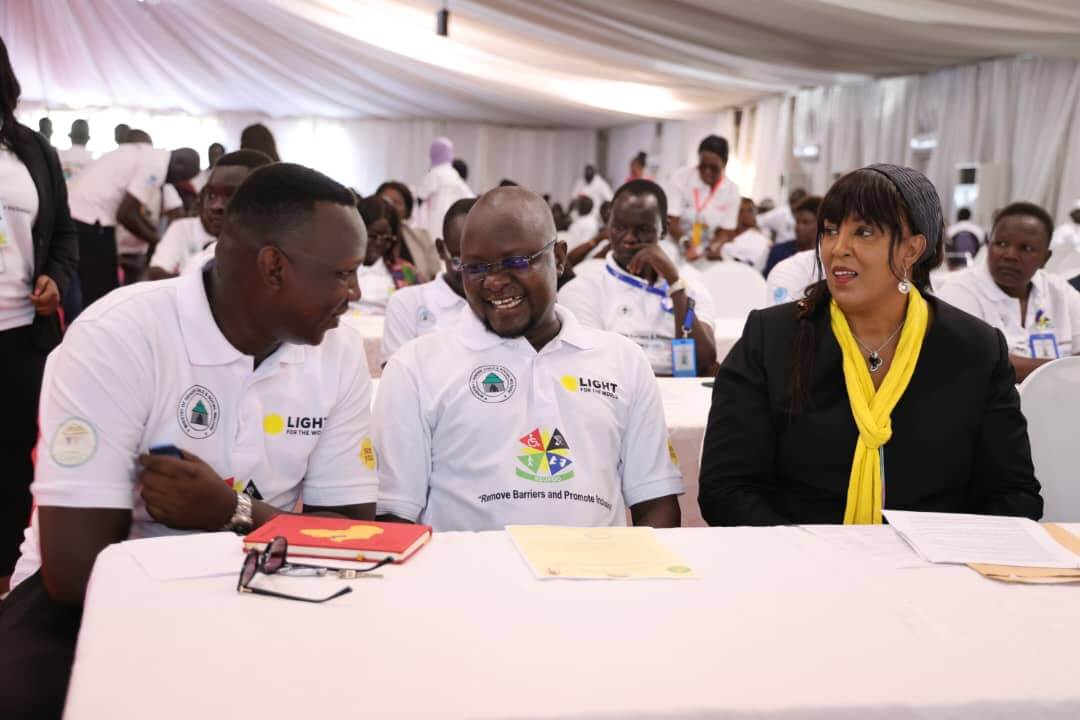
(683, 357)
(696, 233)
(1044, 346)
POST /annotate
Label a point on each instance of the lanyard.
(699, 206)
(688, 321)
(661, 292)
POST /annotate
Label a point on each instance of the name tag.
(1044, 346)
(683, 358)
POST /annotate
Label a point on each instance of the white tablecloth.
(371, 327)
(783, 623)
(728, 330)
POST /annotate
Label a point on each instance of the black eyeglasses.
(272, 560)
(514, 262)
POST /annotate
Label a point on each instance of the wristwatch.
(677, 286)
(242, 519)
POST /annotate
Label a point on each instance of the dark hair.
(714, 144)
(460, 207)
(796, 196)
(963, 214)
(810, 203)
(641, 158)
(401, 189)
(507, 182)
(584, 204)
(274, 199)
(462, 168)
(641, 186)
(1026, 209)
(374, 208)
(9, 96)
(259, 137)
(250, 159)
(873, 197)
(136, 135)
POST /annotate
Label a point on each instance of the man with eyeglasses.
(517, 413)
(210, 401)
(1038, 313)
(641, 294)
(418, 310)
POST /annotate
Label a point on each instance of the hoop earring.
(904, 286)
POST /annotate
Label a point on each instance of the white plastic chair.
(736, 289)
(1050, 400)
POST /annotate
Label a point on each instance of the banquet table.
(783, 622)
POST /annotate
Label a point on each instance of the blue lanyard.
(688, 321)
(665, 302)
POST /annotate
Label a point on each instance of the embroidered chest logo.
(424, 317)
(492, 383)
(274, 424)
(546, 457)
(198, 412)
(590, 385)
(1043, 321)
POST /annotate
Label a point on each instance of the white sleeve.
(578, 297)
(772, 220)
(960, 296)
(403, 441)
(1072, 303)
(579, 186)
(729, 220)
(399, 325)
(341, 469)
(145, 180)
(605, 190)
(782, 283)
(90, 434)
(646, 461)
(170, 198)
(169, 253)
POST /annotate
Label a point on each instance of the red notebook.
(341, 538)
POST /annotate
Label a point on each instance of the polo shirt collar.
(617, 273)
(203, 339)
(442, 294)
(477, 337)
(998, 296)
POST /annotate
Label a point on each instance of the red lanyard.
(698, 207)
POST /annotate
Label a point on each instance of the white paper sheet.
(183, 557)
(994, 540)
(880, 546)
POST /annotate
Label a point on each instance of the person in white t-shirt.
(110, 192)
(703, 201)
(1038, 313)
(421, 309)
(517, 413)
(790, 277)
(1068, 233)
(780, 221)
(188, 241)
(585, 226)
(440, 188)
(642, 294)
(239, 370)
(592, 186)
(75, 158)
(750, 245)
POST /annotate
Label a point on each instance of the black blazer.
(56, 245)
(959, 442)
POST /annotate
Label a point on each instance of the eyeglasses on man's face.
(476, 271)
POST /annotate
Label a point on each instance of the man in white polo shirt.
(641, 293)
(186, 238)
(417, 310)
(518, 413)
(240, 368)
(1038, 313)
(703, 202)
(106, 194)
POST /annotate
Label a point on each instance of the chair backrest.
(736, 289)
(1050, 400)
(963, 242)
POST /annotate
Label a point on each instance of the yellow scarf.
(872, 408)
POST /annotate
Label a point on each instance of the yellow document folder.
(1037, 576)
(605, 553)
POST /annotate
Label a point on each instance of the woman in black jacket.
(870, 393)
(38, 257)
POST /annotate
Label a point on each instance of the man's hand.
(185, 493)
(46, 296)
(652, 262)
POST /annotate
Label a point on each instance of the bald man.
(212, 401)
(516, 413)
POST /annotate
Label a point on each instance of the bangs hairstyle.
(871, 196)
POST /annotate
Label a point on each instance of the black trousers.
(23, 366)
(37, 648)
(97, 262)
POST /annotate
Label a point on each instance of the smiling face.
(506, 223)
(858, 258)
(1018, 248)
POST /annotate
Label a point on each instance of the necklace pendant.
(875, 362)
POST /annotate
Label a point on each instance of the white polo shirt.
(96, 192)
(750, 247)
(476, 431)
(184, 239)
(604, 300)
(791, 276)
(1066, 234)
(148, 366)
(74, 159)
(693, 201)
(1053, 310)
(376, 287)
(156, 204)
(418, 310)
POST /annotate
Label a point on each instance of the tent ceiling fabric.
(555, 63)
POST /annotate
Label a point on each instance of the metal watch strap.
(242, 519)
